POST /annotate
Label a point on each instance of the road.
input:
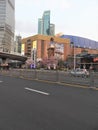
(34, 105)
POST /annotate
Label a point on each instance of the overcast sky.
(71, 17)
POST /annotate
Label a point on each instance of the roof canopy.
(81, 42)
(87, 55)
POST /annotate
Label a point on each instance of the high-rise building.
(17, 46)
(52, 29)
(7, 25)
(46, 23)
(40, 26)
(44, 26)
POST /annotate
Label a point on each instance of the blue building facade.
(87, 59)
(81, 42)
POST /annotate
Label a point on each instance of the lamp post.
(33, 56)
(74, 56)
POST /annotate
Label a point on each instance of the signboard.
(32, 66)
(95, 59)
(59, 51)
(23, 49)
(34, 44)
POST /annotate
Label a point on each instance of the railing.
(54, 76)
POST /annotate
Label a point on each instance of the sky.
(71, 17)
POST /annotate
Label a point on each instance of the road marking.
(1, 81)
(41, 92)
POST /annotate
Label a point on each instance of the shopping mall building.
(67, 48)
(41, 43)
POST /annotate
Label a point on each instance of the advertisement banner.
(34, 44)
(59, 51)
(22, 49)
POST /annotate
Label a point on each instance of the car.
(79, 72)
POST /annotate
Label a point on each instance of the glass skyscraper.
(7, 25)
(44, 26)
(52, 29)
(46, 23)
(40, 26)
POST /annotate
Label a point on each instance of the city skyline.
(45, 27)
(71, 17)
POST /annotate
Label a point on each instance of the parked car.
(79, 72)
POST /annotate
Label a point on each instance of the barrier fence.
(55, 76)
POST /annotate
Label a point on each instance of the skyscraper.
(40, 26)
(18, 44)
(44, 26)
(52, 29)
(7, 25)
(46, 23)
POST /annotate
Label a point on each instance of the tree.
(29, 62)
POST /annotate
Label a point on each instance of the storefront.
(89, 61)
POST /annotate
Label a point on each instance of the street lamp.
(74, 57)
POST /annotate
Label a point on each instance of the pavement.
(36, 105)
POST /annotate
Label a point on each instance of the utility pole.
(74, 57)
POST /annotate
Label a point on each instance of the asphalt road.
(32, 105)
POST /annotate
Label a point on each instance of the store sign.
(23, 49)
(34, 45)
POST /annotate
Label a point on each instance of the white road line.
(1, 81)
(33, 90)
